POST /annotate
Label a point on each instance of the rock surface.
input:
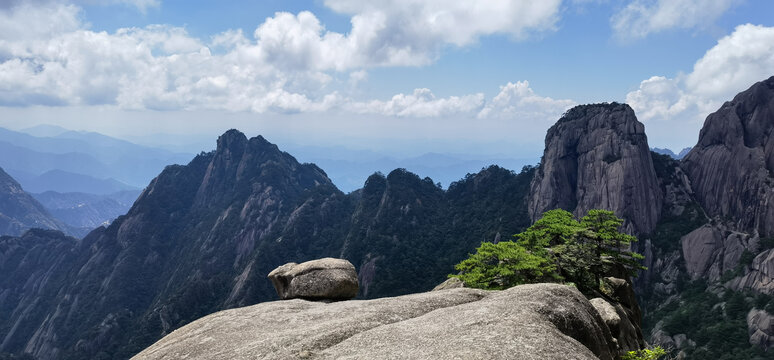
(597, 157)
(451, 283)
(539, 321)
(622, 315)
(321, 279)
(760, 326)
(732, 166)
(759, 277)
(713, 249)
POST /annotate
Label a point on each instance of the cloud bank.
(289, 64)
(737, 61)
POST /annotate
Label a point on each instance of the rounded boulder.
(321, 279)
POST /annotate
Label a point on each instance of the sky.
(397, 76)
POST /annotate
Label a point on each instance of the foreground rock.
(622, 316)
(539, 321)
(597, 157)
(322, 279)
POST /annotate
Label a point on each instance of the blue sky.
(398, 75)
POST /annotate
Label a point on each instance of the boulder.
(621, 314)
(322, 279)
(760, 327)
(537, 321)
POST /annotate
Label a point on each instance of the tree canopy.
(556, 248)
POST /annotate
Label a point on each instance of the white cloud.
(737, 61)
(519, 101)
(48, 56)
(420, 103)
(642, 17)
(141, 5)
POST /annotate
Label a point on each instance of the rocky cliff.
(732, 166)
(540, 321)
(597, 157)
(19, 211)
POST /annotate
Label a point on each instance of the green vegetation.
(645, 354)
(717, 323)
(556, 248)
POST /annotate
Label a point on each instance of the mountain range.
(202, 237)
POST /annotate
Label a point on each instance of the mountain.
(86, 154)
(202, 237)
(67, 182)
(597, 157)
(88, 211)
(671, 153)
(349, 169)
(707, 289)
(732, 166)
(19, 211)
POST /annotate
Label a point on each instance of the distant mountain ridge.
(87, 211)
(20, 212)
(86, 154)
(670, 153)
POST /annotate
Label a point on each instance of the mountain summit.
(597, 157)
(732, 166)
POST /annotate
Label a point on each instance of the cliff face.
(732, 166)
(597, 157)
(19, 211)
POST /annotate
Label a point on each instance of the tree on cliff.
(556, 248)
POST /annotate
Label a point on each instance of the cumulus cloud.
(737, 61)
(518, 100)
(642, 17)
(48, 56)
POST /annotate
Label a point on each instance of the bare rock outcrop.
(732, 166)
(760, 275)
(760, 326)
(538, 321)
(321, 279)
(597, 157)
(714, 249)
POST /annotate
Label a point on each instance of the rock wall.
(597, 157)
(732, 166)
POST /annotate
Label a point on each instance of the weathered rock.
(732, 166)
(713, 249)
(322, 279)
(760, 326)
(450, 283)
(539, 321)
(597, 157)
(622, 315)
(760, 276)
